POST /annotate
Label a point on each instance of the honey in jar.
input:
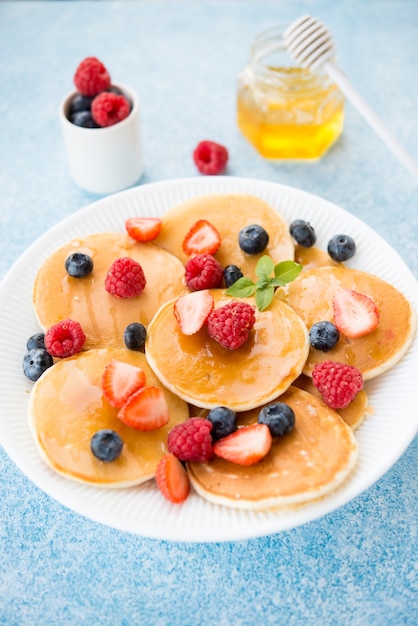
(286, 111)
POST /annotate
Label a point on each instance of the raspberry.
(64, 339)
(125, 278)
(338, 383)
(109, 108)
(91, 77)
(230, 325)
(210, 157)
(203, 271)
(191, 440)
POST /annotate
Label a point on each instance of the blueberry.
(231, 274)
(341, 247)
(80, 103)
(35, 362)
(134, 336)
(279, 417)
(224, 422)
(79, 265)
(36, 341)
(253, 239)
(84, 119)
(323, 336)
(303, 233)
(106, 445)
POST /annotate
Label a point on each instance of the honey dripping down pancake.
(309, 462)
(67, 407)
(103, 318)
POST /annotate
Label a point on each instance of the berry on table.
(338, 383)
(245, 446)
(231, 274)
(279, 417)
(79, 265)
(91, 77)
(355, 314)
(35, 362)
(36, 341)
(303, 233)
(192, 310)
(323, 335)
(253, 239)
(134, 336)
(106, 445)
(191, 440)
(120, 380)
(224, 422)
(203, 271)
(143, 229)
(201, 238)
(146, 409)
(172, 479)
(210, 157)
(109, 108)
(230, 325)
(341, 247)
(125, 278)
(64, 339)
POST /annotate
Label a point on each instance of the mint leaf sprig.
(284, 272)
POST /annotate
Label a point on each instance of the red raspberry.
(210, 157)
(230, 325)
(109, 108)
(203, 271)
(125, 278)
(191, 440)
(64, 339)
(338, 383)
(91, 77)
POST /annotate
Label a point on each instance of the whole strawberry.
(191, 440)
(230, 325)
(337, 382)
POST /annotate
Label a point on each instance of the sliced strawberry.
(201, 238)
(355, 314)
(120, 380)
(146, 409)
(192, 310)
(143, 228)
(172, 479)
(245, 446)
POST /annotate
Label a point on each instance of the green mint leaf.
(287, 271)
(263, 297)
(242, 288)
(264, 268)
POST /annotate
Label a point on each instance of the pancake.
(229, 213)
(314, 257)
(203, 373)
(67, 407)
(103, 318)
(307, 463)
(310, 295)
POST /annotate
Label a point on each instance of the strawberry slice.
(120, 380)
(202, 238)
(146, 409)
(245, 446)
(192, 310)
(172, 479)
(143, 228)
(355, 314)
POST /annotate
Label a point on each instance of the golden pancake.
(353, 414)
(307, 463)
(310, 295)
(103, 317)
(314, 257)
(67, 407)
(229, 214)
(203, 373)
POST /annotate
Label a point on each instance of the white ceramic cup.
(104, 160)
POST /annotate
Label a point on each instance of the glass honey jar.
(286, 111)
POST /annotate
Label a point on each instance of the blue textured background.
(357, 566)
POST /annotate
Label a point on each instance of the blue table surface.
(356, 566)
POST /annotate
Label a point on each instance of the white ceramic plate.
(382, 438)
